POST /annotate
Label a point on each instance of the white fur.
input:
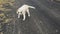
(23, 9)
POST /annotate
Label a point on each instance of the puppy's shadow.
(27, 17)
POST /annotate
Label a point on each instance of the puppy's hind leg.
(28, 12)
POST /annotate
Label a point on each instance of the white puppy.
(23, 9)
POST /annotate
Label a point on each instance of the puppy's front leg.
(23, 16)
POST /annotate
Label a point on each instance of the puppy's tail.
(32, 7)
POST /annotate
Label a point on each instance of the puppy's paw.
(28, 15)
(23, 19)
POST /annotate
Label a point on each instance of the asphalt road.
(45, 19)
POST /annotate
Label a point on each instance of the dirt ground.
(45, 19)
